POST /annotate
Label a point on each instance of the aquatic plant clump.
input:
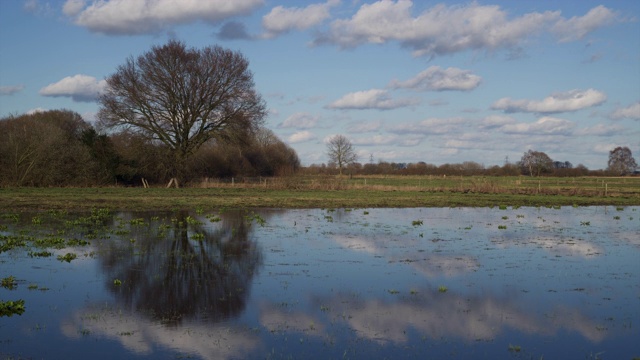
(10, 308)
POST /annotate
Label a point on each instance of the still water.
(427, 283)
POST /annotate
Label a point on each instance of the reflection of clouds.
(140, 335)
(357, 243)
(430, 265)
(556, 246)
(632, 238)
(445, 265)
(276, 318)
(437, 315)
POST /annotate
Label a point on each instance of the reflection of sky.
(142, 336)
(338, 281)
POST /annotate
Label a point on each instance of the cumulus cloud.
(376, 140)
(600, 130)
(10, 89)
(382, 140)
(281, 20)
(578, 27)
(73, 7)
(79, 87)
(299, 120)
(495, 121)
(131, 17)
(630, 112)
(233, 30)
(431, 126)
(301, 136)
(443, 29)
(572, 100)
(544, 126)
(436, 78)
(371, 99)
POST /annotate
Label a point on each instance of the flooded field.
(484, 283)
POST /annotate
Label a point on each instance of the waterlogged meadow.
(502, 282)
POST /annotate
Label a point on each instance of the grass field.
(337, 192)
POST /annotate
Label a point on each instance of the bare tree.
(341, 152)
(535, 162)
(183, 97)
(621, 161)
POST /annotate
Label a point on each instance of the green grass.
(303, 192)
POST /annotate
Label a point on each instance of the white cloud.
(493, 121)
(430, 126)
(78, 87)
(600, 130)
(544, 126)
(36, 110)
(281, 20)
(371, 99)
(443, 29)
(301, 136)
(630, 112)
(578, 27)
(572, 100)
(392, 140)
(299, 120)
(130, 17)
(365, 126)
(376, 140)
(437, 79)
(10, 89)
(604, 148)
(73, 7)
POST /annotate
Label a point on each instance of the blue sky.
(405, 81)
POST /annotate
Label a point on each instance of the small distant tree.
(535, 163)
(621, 161)
(341, 152)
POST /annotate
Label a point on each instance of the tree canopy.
(535, 162)
(621, 161)
(183, 97)
(340, 151)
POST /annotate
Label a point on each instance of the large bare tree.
(621, 161)
(341, 152)
(183, 97)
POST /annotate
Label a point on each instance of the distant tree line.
(466, 168)
(60, 148)
(342, 157)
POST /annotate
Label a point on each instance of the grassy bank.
(331, 192)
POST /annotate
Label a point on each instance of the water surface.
(347, 283)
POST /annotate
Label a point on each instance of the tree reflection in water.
(184, 269)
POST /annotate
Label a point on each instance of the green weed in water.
(193, 221)
(43, 253)
(10, 308)
(416, 222)
(514, 348)
(9, 282)
(442, 289)
(67, 257)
